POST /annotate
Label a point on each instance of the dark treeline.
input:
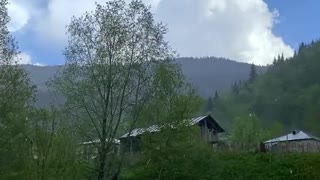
(288, 94)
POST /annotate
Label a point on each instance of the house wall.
(310, 146)
(87, 152)
(207, 134)
(90, 151)
(132, 144)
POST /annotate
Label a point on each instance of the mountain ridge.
(207, 74)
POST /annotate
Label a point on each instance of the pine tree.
(209, 105)
(312, 43)
(275, 61)
(281, 58)
(253, 73)
(216, 97)
(235, 88)
(301, 48)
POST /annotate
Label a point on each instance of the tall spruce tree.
(216, 97)
(253, 73)
(209, 105)
(301, 48)
(235, 88)
(281, 60)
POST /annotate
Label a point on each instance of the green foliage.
(209, 105)
(246, 133)
(229, 166)
(117, 64)
(274, 130)
(174, 99)
(216, 97)
(287, 93)
(54, 152)
(172, 154)
(16, 98)
(235, 88)
(253, 73)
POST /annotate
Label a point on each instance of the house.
(89, 149)
(209, 129)
(296, 141)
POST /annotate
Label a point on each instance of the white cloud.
(24, 58)
(19, 15)
(240, 30)
(52, 25)
(23, 12)
(236, 29)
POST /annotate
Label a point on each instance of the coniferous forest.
(286, 95)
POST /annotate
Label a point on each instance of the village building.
(294, 142)
(209, 128)
(89, 150)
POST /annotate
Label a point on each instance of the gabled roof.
(193, 121)
(293, 136)
(211, 122)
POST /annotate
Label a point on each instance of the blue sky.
(250, 31)
(298, 20)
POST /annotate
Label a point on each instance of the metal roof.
(139, 131)
(116, 141)
(197, 119)
(293, 136)
(156, 128)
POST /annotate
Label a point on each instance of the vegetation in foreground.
(286, 95)
(209, 165)
(184, 155)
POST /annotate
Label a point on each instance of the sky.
(252, 31)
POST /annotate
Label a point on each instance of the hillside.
(214, 74)
(289, 93)
(206, 74)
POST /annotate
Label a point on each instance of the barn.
(209, 129)
(295, 142)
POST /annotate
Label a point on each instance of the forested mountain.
(289, 93)
(210, 74)
(207, 74)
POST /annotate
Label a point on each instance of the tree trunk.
(102, 164)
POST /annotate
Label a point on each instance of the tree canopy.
(287, 93)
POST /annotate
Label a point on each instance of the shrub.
(211, 165)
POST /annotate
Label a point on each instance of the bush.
(210, 165)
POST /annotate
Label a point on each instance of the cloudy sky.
(243, 30)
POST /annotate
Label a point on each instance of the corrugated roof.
(139, 131)
(293, 136)
(117, 141)
(197, 120)
(156, 128)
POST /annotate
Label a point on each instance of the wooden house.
(209, 128)
(294, 142)
(89, 150)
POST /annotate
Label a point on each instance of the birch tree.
(109, 73)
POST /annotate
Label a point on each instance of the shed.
(210, 130)
(296, 141)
